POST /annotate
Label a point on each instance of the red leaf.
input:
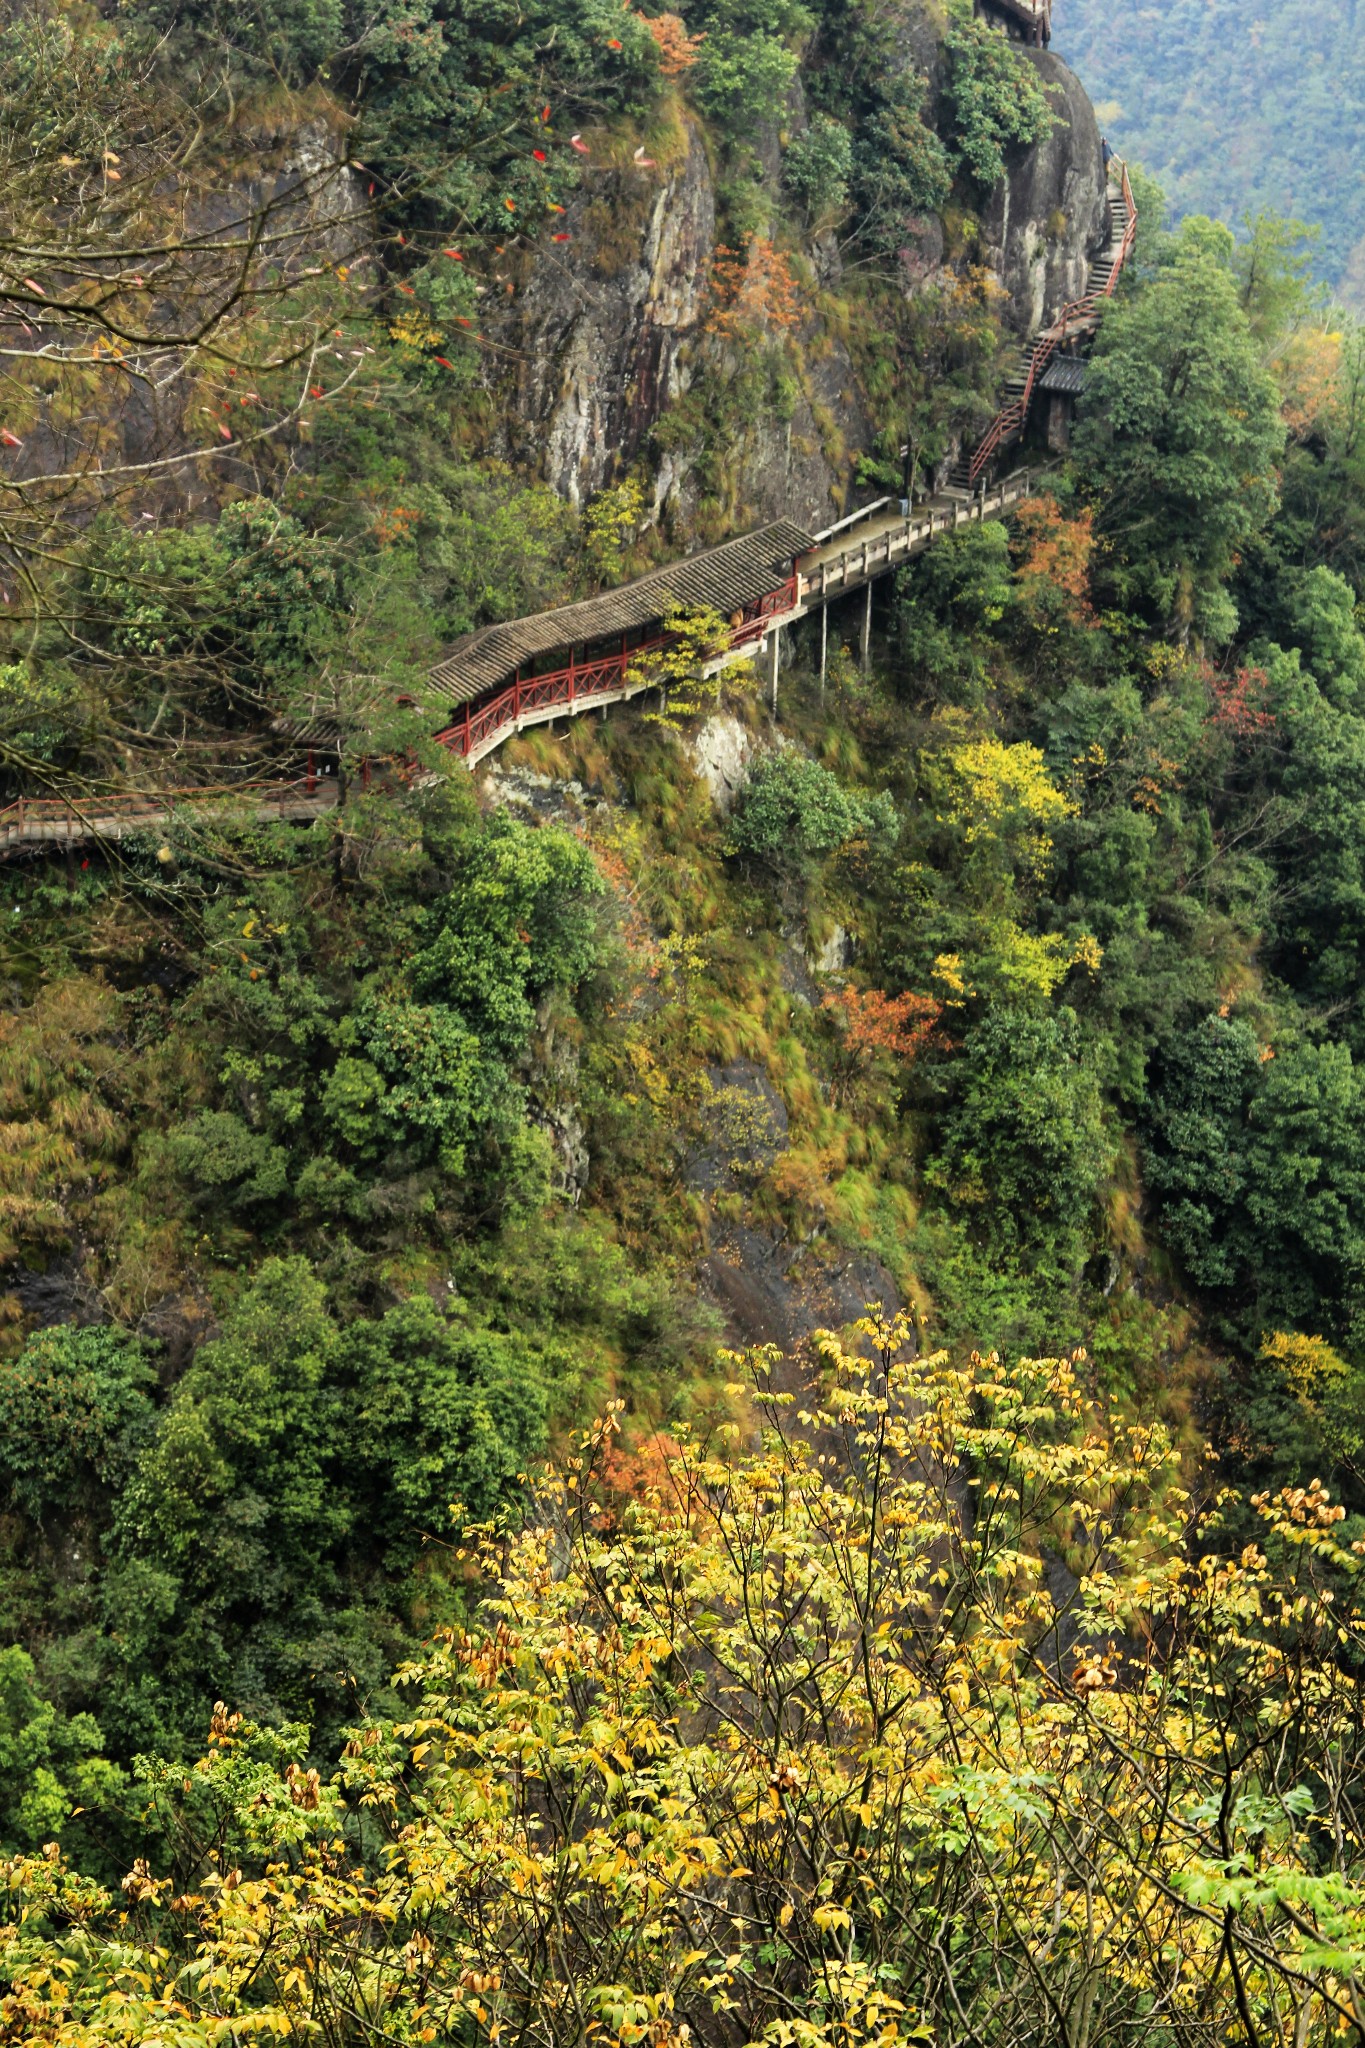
(540, 156)
(457, 254)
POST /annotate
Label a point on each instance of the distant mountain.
(1237, 108)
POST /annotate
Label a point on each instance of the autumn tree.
(679, 667)
(799, 1748)
(875, 1029)
(155, 313)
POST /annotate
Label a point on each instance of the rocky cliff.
(1047, 217)
(606, 328)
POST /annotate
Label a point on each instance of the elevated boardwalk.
(875, 540)
(63, 821)
(1027, 21)
(760, 582)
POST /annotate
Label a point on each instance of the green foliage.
(1022, 1149)
(74, 1407)
(443, 1415)
(995, 97)
(952, 594)
(1257, 1164)
(295, 1462)
(736, 73)
(1181, 432)
(48, 1764)
(793, 815)
(818, 165)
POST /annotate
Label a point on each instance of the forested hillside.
(707, 1385)
(1238, 112)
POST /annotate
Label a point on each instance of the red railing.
(583, 681)
(1009, 421)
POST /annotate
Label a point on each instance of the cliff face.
(601, 323)
(1047, 216)
(608, 328)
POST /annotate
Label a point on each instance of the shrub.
(819, 164)
(794, 814)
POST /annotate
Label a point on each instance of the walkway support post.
(866, 644)
(773, 637)
(824, 647)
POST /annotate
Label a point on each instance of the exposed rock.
(767, 1297)
(600, 330)
(1048, 216)
(721, 751)
(61, 1293)
(838, 951)
(570, 1158)
(550, 797)
(746, 1124)
(608, 330)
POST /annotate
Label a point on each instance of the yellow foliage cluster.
(815, 1744)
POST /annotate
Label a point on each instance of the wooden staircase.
(1075, 324)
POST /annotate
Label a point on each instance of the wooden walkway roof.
(728, 577)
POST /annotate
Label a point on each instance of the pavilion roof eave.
(727, 578)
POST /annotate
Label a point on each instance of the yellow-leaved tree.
(942, 1712)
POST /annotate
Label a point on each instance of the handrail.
(1083, 311)
(89, 817)
(851, 519)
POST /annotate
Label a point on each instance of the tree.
(1253, 1154)
(793, 815)
(1022, 1149)
(693, 636)
(74, 1408)
(818, 166)
(975, 1726)
(49, 1764)
(151, 317)
(996, 97)
(875, 1028)
(1179, 434)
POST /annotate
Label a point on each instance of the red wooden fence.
(582, 682)
(1009, 421)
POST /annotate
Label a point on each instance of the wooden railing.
(1033, 15)
(1080, 314)
(69, 821)
(873, 557)
(605, 679)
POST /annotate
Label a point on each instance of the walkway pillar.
(773, 651)
(866, 645)
(824, 646)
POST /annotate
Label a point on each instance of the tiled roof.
(728, 578)
(1064, 373)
